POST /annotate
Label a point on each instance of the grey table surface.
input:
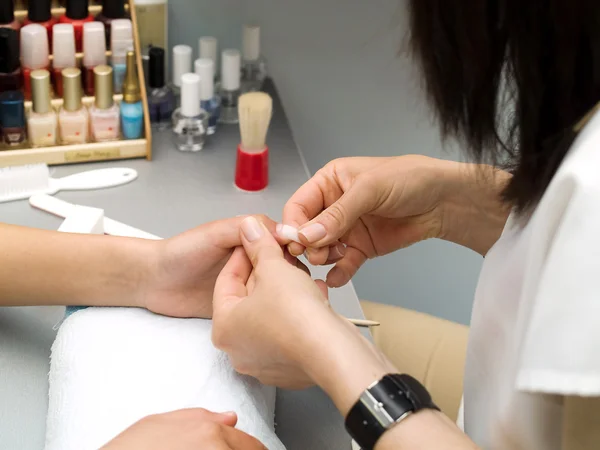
(174, 192)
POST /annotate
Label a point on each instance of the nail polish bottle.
(230, 86)
(209, 102)
(34, 53)
(42, 121)
(209, 49)
(161, 100)
(11, 78)
(40, 12)
(132, 111)
(254, 66)
(63, 36)
(94, 53)
(190, 121)
(111, 10)
(73, 119)
(12, 119)
(77, 14)
(182, 64)
(7, 15)
(121, 43)
(105, 117)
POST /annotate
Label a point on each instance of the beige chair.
(430, 349)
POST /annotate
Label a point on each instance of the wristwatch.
(384, 404)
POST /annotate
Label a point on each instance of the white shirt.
(535, 328)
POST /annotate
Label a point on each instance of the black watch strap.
(382, 405)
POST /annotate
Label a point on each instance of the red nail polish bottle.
(11, 78)
(64, 53)
(111, 10)
(94, 53)
(34, 53)
(40, 12)
(7, 15)
(77, 14)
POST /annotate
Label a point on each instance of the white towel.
(112, 366)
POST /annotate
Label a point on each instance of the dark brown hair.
(510, 79)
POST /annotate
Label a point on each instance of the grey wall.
(347, 92)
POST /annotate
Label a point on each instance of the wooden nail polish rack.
(97, 151)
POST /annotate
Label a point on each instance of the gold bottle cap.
(72, 89)
(40, 91)
(103, 85)
(131, 86)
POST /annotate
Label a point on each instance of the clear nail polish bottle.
(182, 64)
(209, 102)
(190, 122)
(42, 122)
(161, 100)
(230, 86)
(104, 113)
(254, 66)
(73, 118)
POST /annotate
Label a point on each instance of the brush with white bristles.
(21, 182)
(255, 110)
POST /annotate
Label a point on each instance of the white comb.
(21, 182)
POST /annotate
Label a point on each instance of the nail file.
(62, 209)
(288, 232)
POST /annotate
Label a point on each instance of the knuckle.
(337, 214)
(210, 430)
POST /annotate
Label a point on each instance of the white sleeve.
(561, 349)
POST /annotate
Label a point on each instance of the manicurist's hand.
(378, 205)
(189, 429)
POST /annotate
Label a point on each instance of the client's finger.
(260, 245)
(231, 282)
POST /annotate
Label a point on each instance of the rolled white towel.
(111, 367)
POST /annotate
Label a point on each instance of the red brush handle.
(252, 170)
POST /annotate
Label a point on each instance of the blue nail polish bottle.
(132, 111)
(209, 102)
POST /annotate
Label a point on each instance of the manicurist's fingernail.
(313, 232)
(252, 229)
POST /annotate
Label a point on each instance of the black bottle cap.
(113, 9)
(40, 10)
(77, 9)
(9, 50)
(7, 11)
(156, 67)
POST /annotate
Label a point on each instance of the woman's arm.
(50, 268)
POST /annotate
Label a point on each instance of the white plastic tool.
(64, 209)
(21, 182)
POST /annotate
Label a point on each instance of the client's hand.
(268, 314)
(188, 429)
(182, 276)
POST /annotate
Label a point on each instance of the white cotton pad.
(288, 232)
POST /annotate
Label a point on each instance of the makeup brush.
(252, 170)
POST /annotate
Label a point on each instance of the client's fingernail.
(338, 251)
(230, 413)
(313, 232)
(252, 229)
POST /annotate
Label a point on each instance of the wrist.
(474, 213)
(343, 363)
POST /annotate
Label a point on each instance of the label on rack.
(92, 155)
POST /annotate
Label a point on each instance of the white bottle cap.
(230, 70)
(63, 43)
(251, 42)
(205, 70)
(190, 95)
(182, 62)
(208, 49)
(121, 39)
(34, 47)
(94, 44)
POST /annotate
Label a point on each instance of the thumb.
(259, 243)
(335, 221)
